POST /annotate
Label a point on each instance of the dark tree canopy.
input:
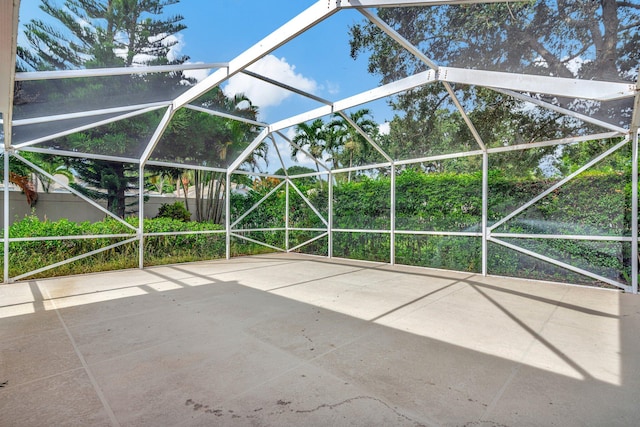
(101, 33)
(587, 40)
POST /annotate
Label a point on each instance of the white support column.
(392, 237)
(9, 16)
(5, 224)
(227, 216)
(286, 217)
(485, 204)
(634, 212)
(330, 209)
(635, 135)
(141, 216)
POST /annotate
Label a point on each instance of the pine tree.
(105, 34)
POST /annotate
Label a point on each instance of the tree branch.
(628, 4)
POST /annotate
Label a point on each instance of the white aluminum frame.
(514, 85)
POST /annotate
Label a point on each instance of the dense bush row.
(31, 255)
(596, 203)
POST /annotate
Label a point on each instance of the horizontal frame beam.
(439, 233)
(559, 86)
(116, 71)
(350, 4)
(562, 141)
(225, 115)
(75, 154)
(87, 126)
(89, 113)
(182, 233)
(563, 237)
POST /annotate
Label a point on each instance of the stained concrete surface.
(293, 340)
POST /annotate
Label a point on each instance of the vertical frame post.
(5, 224)
(286, 217)
(141, 216)
(392, 237)
(330, 219)
(485, 204)
(227, 215)
(634, 212)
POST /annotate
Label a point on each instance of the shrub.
(175, 211)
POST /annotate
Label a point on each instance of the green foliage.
(337, 141)
(438, 202)
(183, 247)
(588, 40)
(447, 252)
(175, 211)
(306, 181)
(194, 137)
(424, 202)
(363, 204)
(208, 243)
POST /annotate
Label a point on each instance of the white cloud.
(575, 64)
(384, 128)
(141, 59)
(266, 95)
(197, 75)
(175, 51)
(540, 62)
(291, 133)
(303, 160)
(332, 88)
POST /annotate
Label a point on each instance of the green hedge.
(29, 256)
(594, 203)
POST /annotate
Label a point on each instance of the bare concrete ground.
(292, 340)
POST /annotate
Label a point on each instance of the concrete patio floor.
(293, 340)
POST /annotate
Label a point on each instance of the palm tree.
(353, 145)
(195, 137)
(310, 137)
(53, 165)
